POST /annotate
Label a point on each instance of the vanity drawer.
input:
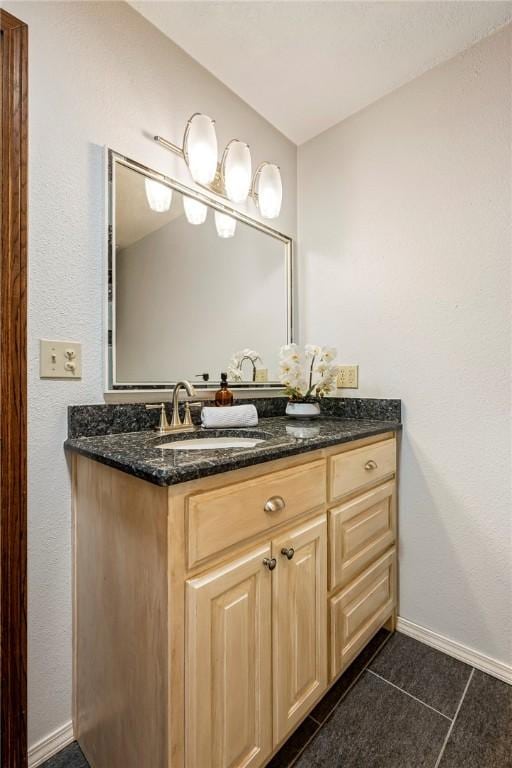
(351, 470)
(222, 517)
(360, 530)
(360, 609)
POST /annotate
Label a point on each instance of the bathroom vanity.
(219, 594)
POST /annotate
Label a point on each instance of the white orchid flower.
(234, 373)
(328, 354)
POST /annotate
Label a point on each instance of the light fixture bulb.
(201, 148)
(159, 196)
(269, 190)
(237, 168)
(195, 211)
(226, 225)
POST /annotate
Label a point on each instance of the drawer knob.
(270, 562)
(371, 464)
(289, 553)
(274, 504)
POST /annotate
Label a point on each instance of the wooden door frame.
(13, 398)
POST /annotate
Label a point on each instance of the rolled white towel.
(228, 417)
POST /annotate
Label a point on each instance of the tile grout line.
(450, 729)
(295, 759)
(354, 681)
(410, 695)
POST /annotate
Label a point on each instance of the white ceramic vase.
(302, 410)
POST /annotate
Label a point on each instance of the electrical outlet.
(348, 377)
(60, 359)
(261, 375)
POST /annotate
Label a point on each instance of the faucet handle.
(187, 419)
(164, 424)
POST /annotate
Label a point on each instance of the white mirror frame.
(111, 384)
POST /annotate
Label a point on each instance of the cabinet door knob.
(270, 562)
(289, 553)
(274, 504)
(371, 464)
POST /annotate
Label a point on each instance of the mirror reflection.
(195, 291)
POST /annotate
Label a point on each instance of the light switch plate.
(348, 377)
(60, 359)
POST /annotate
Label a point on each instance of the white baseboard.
(457, 650)
(50, 745)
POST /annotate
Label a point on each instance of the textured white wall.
(99, 74)
(405, 248)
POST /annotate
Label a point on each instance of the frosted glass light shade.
(226, 225)
(201, 148)
(237, 171)
(195, 211)
(159, 196)
(269, 189)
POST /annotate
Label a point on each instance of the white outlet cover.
(60, 359)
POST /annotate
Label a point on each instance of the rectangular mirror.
(183, 297)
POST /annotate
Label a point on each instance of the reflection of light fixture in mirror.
(159, 196)
(225, 224)
(200, 148)
(268, 190)
(195, 211)
(236, 170)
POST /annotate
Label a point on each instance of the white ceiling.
(307, 65)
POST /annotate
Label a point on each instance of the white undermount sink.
(211, 443)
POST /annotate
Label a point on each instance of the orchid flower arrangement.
(307, 374)
(235, 364)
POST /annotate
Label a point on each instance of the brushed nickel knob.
(289, 553)
(274, 504)
(270, 562)
(371, 464)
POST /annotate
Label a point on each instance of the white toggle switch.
(60, 359)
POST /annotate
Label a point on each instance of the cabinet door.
(228, 665)
(360, 609)
(299, 623)
(359, 531)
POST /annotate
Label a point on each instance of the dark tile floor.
(400, 704)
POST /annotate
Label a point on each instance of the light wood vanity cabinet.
(299, 623)
(256, 645)
(360, 530)
(211, 616)
(229, 663)
(359, 610)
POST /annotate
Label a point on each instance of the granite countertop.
(138, 453)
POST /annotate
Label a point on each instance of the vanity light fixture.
(195, 211)
(267, 190)
(231, 178)
(236, 170)
(158, 195)
(225, 225)
(200, 148)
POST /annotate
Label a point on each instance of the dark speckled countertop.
(138, 453)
